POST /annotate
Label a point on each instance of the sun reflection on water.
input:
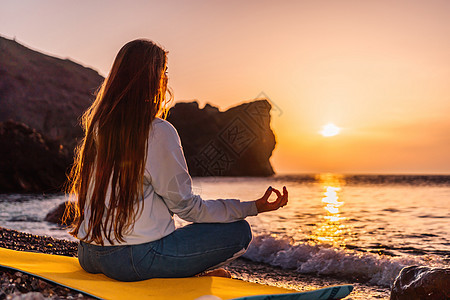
(332, 228)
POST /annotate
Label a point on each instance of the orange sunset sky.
(379, 70)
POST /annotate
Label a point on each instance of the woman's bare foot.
(217, 272)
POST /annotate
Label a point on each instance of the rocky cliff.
(236, 142)
(43, 97)
(30, 162)
(46, 93)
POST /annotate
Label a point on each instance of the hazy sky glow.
(379, 70)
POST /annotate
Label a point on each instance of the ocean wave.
(24, 218)
(319, 259)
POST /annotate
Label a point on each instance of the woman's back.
(130, 177)
(167, 172)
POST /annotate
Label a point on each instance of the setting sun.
(330, 130)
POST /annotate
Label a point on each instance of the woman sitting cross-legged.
(130, 177)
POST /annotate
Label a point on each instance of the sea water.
(364, 227)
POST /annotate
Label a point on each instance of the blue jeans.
(185, 252)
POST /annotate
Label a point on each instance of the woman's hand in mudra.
(263, 204)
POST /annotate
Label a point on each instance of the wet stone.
(416, 282)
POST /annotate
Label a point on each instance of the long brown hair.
(113, 150)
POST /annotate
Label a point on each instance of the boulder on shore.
(56, 215)
(415, 283)
(30, 162)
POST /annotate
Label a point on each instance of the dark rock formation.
(421, 283)
(236, 142)
(56, 215)
(30, 162)
(50, 94)
(46, 93)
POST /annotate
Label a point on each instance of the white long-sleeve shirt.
(168, 191)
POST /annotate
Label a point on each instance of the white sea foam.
(325, 260)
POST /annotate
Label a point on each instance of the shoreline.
(14, 283)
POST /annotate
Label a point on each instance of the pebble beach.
(17, 285)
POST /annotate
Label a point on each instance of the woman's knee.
(245, 232)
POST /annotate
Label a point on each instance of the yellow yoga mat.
(66, 271)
